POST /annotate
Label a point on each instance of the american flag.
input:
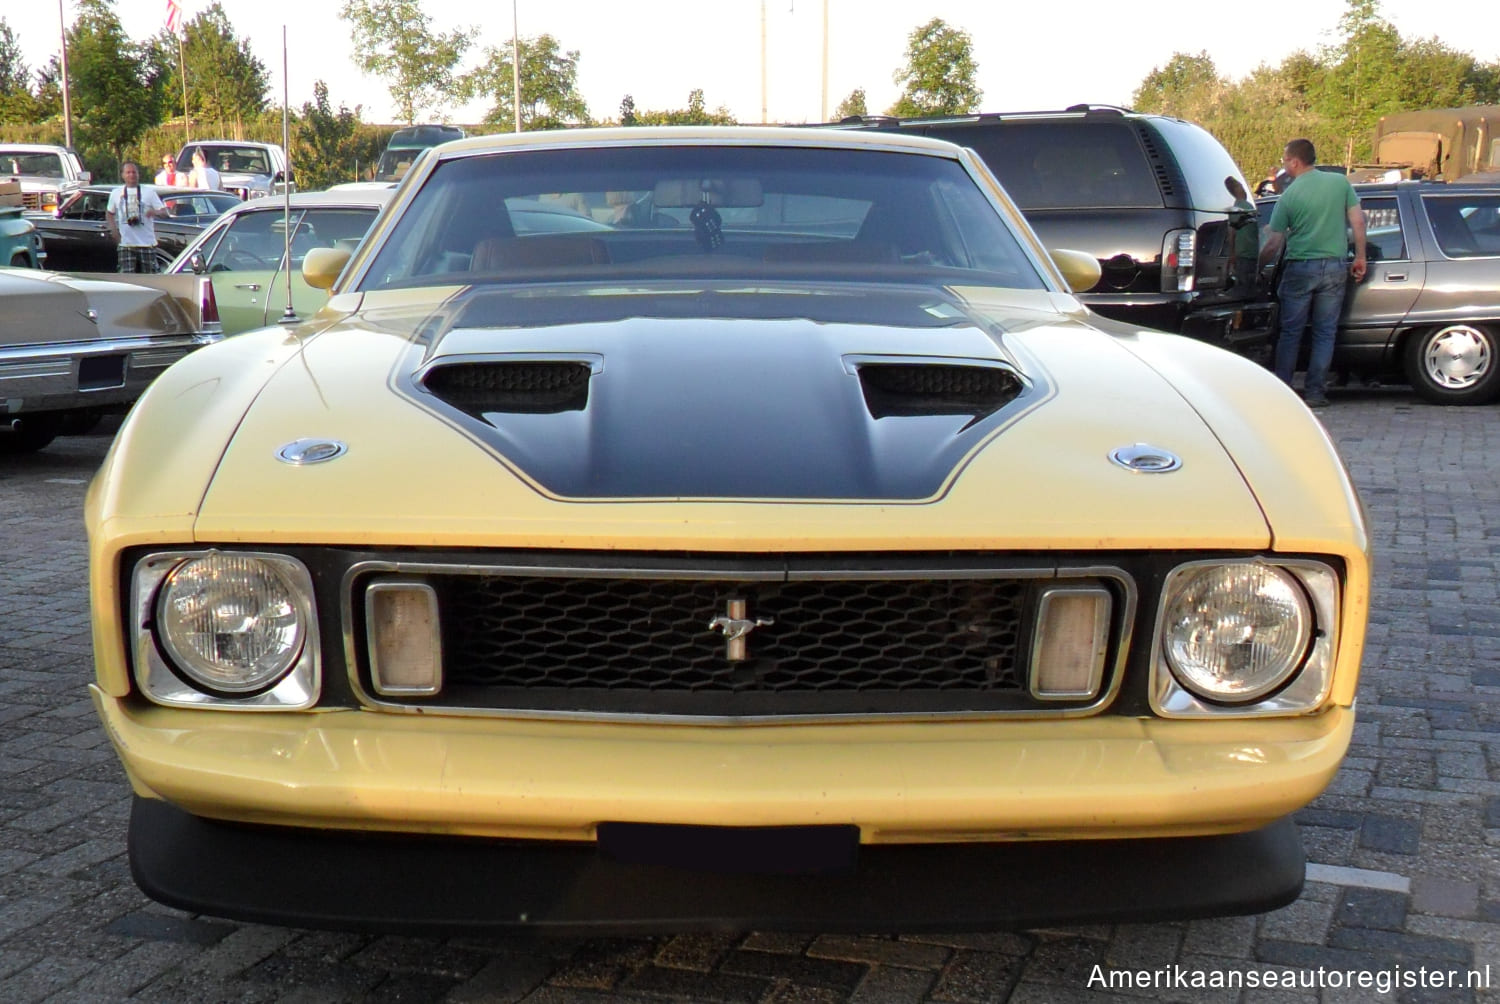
(174, 17)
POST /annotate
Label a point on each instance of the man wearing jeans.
(1310, 219)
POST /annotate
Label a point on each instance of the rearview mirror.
(321, 267)
(730, 193)
(1080, 270)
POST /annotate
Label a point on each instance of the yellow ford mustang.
(669, 529)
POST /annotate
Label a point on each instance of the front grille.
(31, 200)
(645, 646)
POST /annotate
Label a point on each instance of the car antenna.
(288, 316)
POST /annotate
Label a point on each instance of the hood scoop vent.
(532, 387)
(937, 389)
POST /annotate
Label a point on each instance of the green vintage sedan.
(245, 252)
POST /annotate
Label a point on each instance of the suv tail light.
(208, 307)
(1179, 255)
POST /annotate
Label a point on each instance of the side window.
(253, 242)
(330, 228)
(1466, 226)
(1384, 239)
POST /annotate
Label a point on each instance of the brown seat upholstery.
(495, 254)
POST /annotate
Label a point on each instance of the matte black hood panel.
(705, 396)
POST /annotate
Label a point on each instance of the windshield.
(38, 165)
(228, 159)
(669, 212)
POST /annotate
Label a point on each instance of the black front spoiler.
(443, 885)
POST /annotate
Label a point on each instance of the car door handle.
(1395, 277)
(253, 287)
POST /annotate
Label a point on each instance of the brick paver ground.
(1405, 846)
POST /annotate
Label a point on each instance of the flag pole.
(182, 72)
(67, 105)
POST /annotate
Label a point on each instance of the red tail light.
(208, 307)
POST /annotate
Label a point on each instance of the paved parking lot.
(1405, 847)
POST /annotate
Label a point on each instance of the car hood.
(614, 418)
(50, 307)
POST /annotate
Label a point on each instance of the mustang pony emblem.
(734, 625)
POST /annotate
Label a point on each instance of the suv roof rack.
(1098, 110)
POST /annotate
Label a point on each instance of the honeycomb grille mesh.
(836, 641)
(511, 386)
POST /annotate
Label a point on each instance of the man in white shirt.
(203, 175)
(129, 216)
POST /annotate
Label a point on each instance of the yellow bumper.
(899, 782)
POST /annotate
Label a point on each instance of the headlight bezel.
(163, 682)
(1304, 690)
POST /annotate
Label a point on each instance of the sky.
(1031, 56)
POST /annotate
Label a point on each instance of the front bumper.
(899, 782)
(70, 375)
(439, 885)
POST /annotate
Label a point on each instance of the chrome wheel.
(1455, 364)
(1458, 357)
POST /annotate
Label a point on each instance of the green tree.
(627, 111)
(227, 83)
(549, 85)
(940, 71)
(17, 104)
(393, 39)
(326, 141)
(854, 104)
(696, 113)
(1185, 80)
(112, 98)
(14, 76)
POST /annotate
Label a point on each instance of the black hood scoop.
(753, 394)
(513, 386)
(937, 388)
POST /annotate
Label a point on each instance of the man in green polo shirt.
(1311, 218)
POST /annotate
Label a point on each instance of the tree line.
(127, 95)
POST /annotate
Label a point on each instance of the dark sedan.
(77, 238)
(1428, 311)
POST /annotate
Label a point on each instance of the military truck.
(1438, 144)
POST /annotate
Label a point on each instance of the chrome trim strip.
(1309, 685)
(1122, 619)
(102, 346)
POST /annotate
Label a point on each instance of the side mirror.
(197, 263)
(1081, 270)
(85, 176)
(321, 266)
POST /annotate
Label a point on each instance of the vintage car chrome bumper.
(430, 884)
(63, 376)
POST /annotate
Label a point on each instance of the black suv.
(1144, 194)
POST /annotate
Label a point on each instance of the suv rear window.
(1063, 165)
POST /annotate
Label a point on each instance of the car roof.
(36, 148)
(637, 136)
(365, 199)
(1081, 112)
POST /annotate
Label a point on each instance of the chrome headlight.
(221, 627)
(1234, 637)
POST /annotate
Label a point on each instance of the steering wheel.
(243, 261)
